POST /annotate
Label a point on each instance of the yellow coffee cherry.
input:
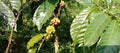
(48, 37)
(50, 29)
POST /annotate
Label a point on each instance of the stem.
(56, 44)
(40, 45)
(10, 37)
(9, 41)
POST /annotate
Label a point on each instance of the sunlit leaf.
(93, 15)
(95, 29)
(34, 40)
(44, 12)
(16, 4)
(8, 16)
(110, 39)
(78, 27)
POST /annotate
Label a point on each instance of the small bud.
(62, 3)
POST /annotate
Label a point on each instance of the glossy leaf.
(8, 16)
(44, 12)
(35, 39)
(95, 29)
(110, 39)
(16, 4)
(93, 15)
(78, 27)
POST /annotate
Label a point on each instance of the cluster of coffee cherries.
(51, 28)
(54, 22)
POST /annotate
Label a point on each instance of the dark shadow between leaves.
(52, 1)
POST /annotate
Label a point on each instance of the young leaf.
(34, 40)
(16, 4)
(110, 39)
(78, 27)
(43, 12)
(8, 16)
(95, 29)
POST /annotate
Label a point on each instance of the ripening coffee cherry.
(55, 21)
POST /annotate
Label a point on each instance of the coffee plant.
(59, 26)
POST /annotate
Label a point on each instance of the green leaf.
(95, 29)
(24, 1)
(93, 15)
(6, 10)
(34, 40)
(44, 12)
(16, 4)
(110, 39)
(108, 2)
(8, 16)
(87, 3)
(78, 27)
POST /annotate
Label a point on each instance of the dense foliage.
(59, 26)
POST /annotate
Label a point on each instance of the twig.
(56, 43)
(40, 44)
(10, 37)
(9, 41)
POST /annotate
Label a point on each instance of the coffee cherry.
(50, 29)
(55, 21)
(48, 36)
